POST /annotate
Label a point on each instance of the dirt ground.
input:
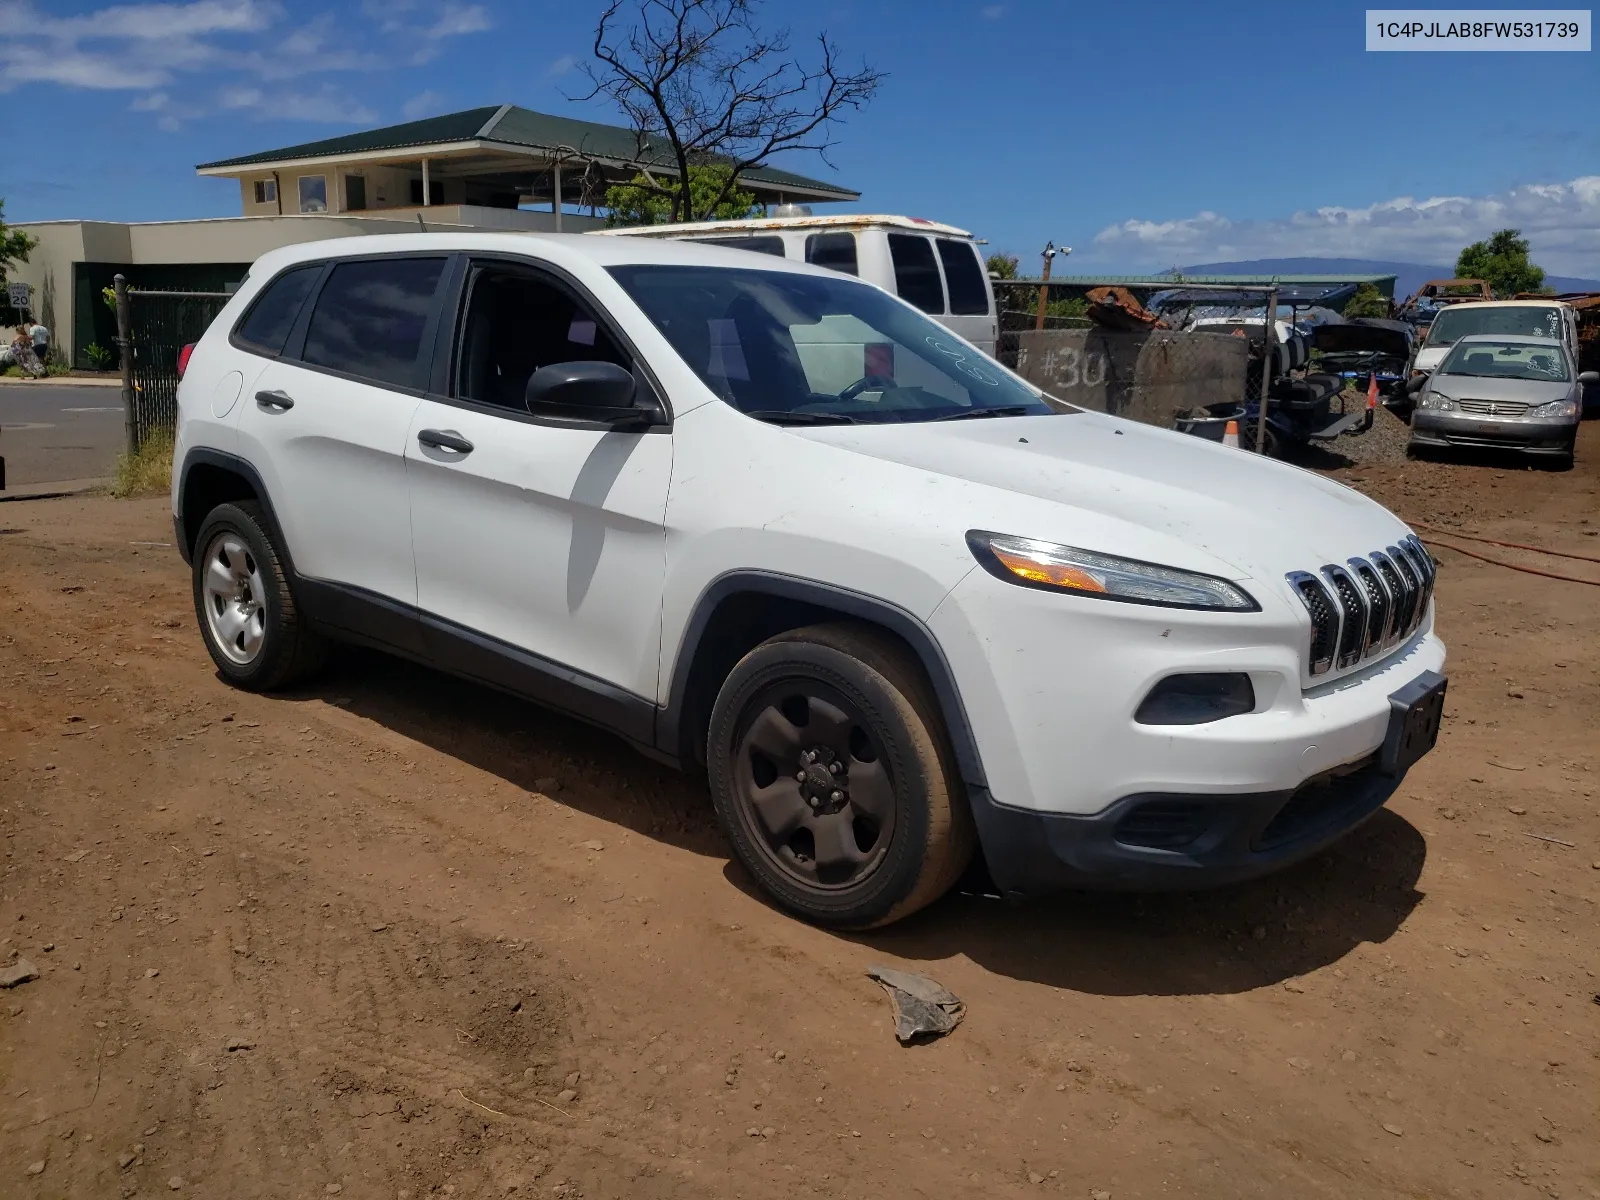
(396, 936)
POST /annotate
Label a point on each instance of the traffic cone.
(1372, 391)
(1230, 435)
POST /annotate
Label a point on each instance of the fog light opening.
(1197, 699)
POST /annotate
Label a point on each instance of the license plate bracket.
(1415, 712)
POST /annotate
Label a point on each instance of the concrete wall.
(1150, 376)
(49, 268)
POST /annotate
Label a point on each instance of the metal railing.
(153, 327)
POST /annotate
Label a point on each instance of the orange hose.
(1467, 537)
(1514, 566)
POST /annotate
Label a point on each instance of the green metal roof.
(521, 129)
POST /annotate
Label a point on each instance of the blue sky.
(1143, 135)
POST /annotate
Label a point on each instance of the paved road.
(52, 432)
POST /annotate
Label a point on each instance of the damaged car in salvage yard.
(1503, 393)
(896, 607)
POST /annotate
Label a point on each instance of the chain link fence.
(153, 327)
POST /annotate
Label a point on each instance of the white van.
(1551, 319)
(933, 266)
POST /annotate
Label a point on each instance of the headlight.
(1556, 408)
(1437, 401)
(1103, 576)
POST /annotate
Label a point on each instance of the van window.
(836, 251)
(266, 326)
(756, 245)
(963, 275)
(370, 317)
(916, 275)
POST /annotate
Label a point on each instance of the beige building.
(486, 168)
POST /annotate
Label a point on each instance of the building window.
(355, 193)
(266, 191)
(435, 191)
(313, 193)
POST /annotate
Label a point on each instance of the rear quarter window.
(916, 275)
(836, 251)
(272, 315)
(370, 317)
(963, 275)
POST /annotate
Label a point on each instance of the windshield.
(1506, 360)
(801, 349)
(1464, 320)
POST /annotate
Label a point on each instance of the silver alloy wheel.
(235, 598)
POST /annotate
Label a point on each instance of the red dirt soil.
(463, 947)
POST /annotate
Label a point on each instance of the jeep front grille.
(1367, 606)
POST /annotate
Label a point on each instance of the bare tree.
(701, 77)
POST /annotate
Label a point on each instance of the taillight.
(183, 359)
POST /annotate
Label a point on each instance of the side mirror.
(1415, 384)
(584, 392)
(1589, 376)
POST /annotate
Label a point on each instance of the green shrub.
(100, 359)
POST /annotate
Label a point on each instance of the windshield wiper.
(778, 416)
(972, 414)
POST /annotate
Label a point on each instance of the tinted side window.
(516, 323)
(916, 275)
(963, 275)
(370, 317)
(756, 245)
(266, 326)
(836, 251)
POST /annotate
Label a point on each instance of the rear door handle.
(445, 439)
(281, 401)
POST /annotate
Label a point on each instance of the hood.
(1430, 357)
(1484, 387)
(1254, 514)
(1373, 339)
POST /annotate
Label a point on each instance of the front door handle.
(281, 401)
(445, 439)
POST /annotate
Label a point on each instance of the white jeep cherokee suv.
(767, 519)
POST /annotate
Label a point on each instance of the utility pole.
(1269, 337)
(130, 412)
(1050, 251)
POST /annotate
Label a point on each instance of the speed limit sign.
(17, 294)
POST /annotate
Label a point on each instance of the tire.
(256, 634)
(859, 701)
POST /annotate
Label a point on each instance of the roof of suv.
(604, 252)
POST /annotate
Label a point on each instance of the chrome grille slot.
(1412, 610)
(1353, 613)
(1379, 607)
(1397, 595)
(1324, 615)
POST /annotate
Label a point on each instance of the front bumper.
(1177, 841)
(1051, 686)
(1534, 436)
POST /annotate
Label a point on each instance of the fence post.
(1269, 336)
(125, 345)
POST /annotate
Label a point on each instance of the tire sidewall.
(873, 898)
(231, 519)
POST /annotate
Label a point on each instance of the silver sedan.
(1503, 392)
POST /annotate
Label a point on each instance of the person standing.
(41, 340)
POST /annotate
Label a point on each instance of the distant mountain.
(1408, 276)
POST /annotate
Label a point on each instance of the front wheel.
(834, 780)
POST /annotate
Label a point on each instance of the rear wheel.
(833, 777)
(252, 627)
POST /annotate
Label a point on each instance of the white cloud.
(327, 106)
(423, 104)
(1559, 219)
(561, 65)
(992, 12)
(190, 59)
(456, 20)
